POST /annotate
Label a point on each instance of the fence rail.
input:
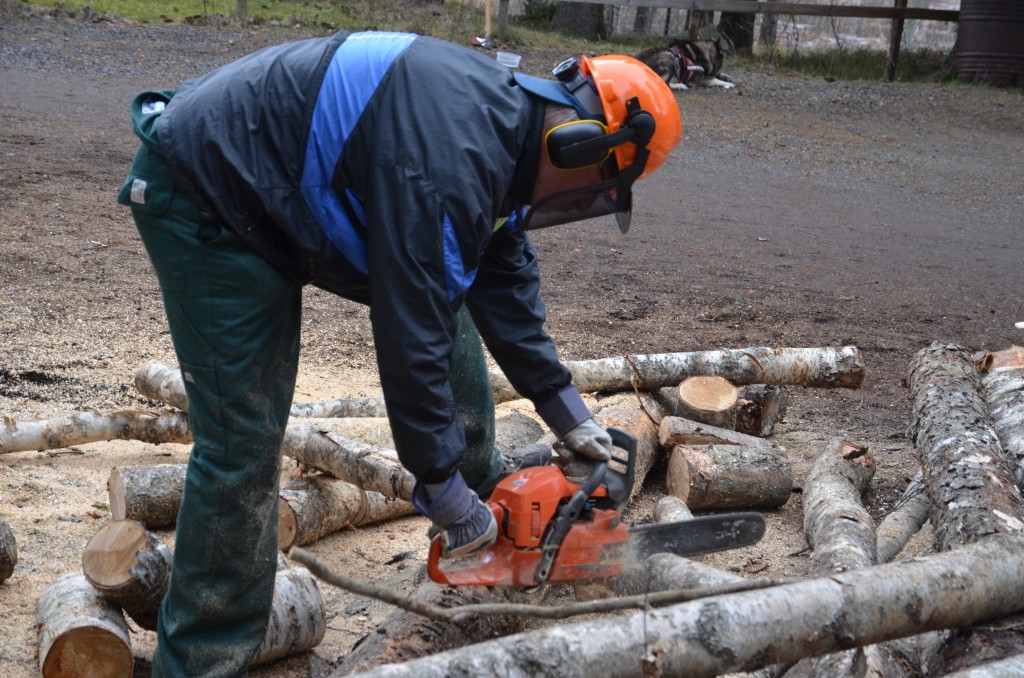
(792, 8)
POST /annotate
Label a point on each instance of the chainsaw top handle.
(620, 483)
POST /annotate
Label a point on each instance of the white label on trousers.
(139, 191)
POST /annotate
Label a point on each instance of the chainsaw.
(552, 529)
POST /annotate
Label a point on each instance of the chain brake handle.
(619, 483)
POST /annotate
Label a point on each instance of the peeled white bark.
(165, 426)
(749, 630)
(298, 617)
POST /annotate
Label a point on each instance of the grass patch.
(856, 64)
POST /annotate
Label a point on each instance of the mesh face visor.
(577, 204)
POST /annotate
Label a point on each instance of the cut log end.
(709, 399)
(112, 552)
(88, 651)
(287, 525)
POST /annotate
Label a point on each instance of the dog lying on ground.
(688, 63)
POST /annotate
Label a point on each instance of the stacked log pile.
(708, 417)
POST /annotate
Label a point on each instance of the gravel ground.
(797, 212)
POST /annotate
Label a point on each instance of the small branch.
(468, 612)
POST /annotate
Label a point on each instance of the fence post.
(895, 38)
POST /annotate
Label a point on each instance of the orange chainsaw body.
(524, 504)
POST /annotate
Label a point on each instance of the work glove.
(464, 522)
(581, 448)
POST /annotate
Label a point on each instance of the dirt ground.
(796, 212)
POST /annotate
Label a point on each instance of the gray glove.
(589, 440)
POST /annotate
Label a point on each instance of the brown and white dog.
(688, 63)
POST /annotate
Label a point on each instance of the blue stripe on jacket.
(351, 79)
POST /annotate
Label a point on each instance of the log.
(836, 524)
(1011, 666)
(404, 636)
(130, 567)
(709, 400)
(811, 367)
(748, 630)
(678, 431)
(165, 426)
(148, 494)
(1003, 382)
(760, 408)
(842, 534)
(671, 509)
(729, 476)
(8, 551)
(298, 617)
(315, 506)
(80, 632)
(636, 414)
(903, 522)
(970, 486)
(161, 382)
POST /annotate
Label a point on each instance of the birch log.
(8, 551)
(760, 408)
(903, 522)
(708, 399)
(671, 509)
(729, 476)
(970, 485)
(315, 506)
(842, 534)
(748, 630)
(679, 431)
(79, 632)
(636, 414)
(827, 367)
(165, 426)
(1003, 381)
(148, 494)
(1005, 668)
(161, 382)
(298, 617)
(129, 566)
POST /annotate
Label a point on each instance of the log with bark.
(760, 408)
(970, 485)
(637, 414)
(163, 383)
(80, 632)
(826, 367)
(298, 617)
(1003, 381)
(679, 431)
(315, 506)
(149, 494)
(129, 566)
(904, 521)
(729, 476)
(752, 629)
(148, 426)
(8, 551)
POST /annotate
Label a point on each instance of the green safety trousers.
(235, 323)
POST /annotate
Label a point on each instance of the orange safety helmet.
(619, 78)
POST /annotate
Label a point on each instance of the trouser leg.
(474, 402)
(234, 322)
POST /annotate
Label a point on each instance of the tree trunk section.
(167, 426)
(761, 407)
(811, 367)
(298, 618)
(8, 551)
(671, 509)
(679, 431)
(969, 483)
(1004, 391)
(709, 400)
(80, 632)
(752, 629)
(1011, 666)
(729, 476)
(129, 566)
(313, 507)
(404, 636)
(636, 414)
(903, 522)
(150, 494)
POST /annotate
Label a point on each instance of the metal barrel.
(990, 42)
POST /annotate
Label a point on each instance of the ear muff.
(577, 144)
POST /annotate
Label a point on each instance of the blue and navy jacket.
(375, 165)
